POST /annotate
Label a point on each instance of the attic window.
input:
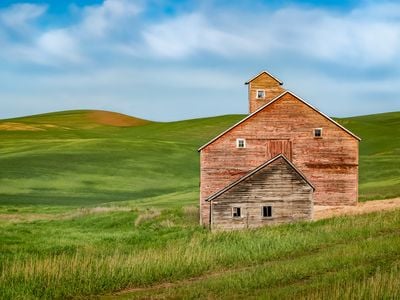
(318, 132)
(260, 94)
(266, 211)
(236, 212)
(240, 143)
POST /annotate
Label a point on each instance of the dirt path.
(320, 212)
(324, 212)
(30, 217)
(129, 293)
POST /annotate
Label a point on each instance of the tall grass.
(318, 273)
(381, 284)
(270, 256)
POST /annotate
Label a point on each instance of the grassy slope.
(102, 164)
(99, 253)
(79, 162)
(379, 154)
(144, 234)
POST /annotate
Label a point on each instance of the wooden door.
(275, 147)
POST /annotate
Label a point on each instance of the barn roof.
(269, 103)
(256, 170)
(264, 72)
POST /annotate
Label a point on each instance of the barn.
(279, 122)
(273, 193)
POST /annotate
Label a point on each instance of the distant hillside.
(380, 133)
(88, 157)
(73, 119)
(379, 174)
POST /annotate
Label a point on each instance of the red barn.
(280, 122)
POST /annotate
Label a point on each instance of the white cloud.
(381, 10)
(58, 45)
(188, 34)
(198, 60)
(366, 36)
(355, 37)
(19, 15)
(100, 19)
(92, 34)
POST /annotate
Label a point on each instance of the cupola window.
(260, 94)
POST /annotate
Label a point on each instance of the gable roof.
(264, 72)
(259, 168)
(269, 103)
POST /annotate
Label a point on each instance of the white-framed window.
(266, 211)
(236, 212)
(240, 143)
(318, 132)
(260, 94)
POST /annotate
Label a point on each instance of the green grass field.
(80, 162)
(87, 208)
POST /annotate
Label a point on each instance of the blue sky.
(170, 60)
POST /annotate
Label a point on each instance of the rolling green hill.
(71, 120)
(89, 157)
(379, 154)
(92, 203)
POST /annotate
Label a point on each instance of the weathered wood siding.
(277, 185)
(330, 162)
(263, 82)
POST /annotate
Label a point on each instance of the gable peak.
(264, 73)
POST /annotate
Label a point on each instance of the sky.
(169, 60)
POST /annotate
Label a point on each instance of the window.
(240, 143)
(260, 94)
(318, 132)
(236, 212)
(267, 211)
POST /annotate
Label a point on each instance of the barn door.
(275, 147)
